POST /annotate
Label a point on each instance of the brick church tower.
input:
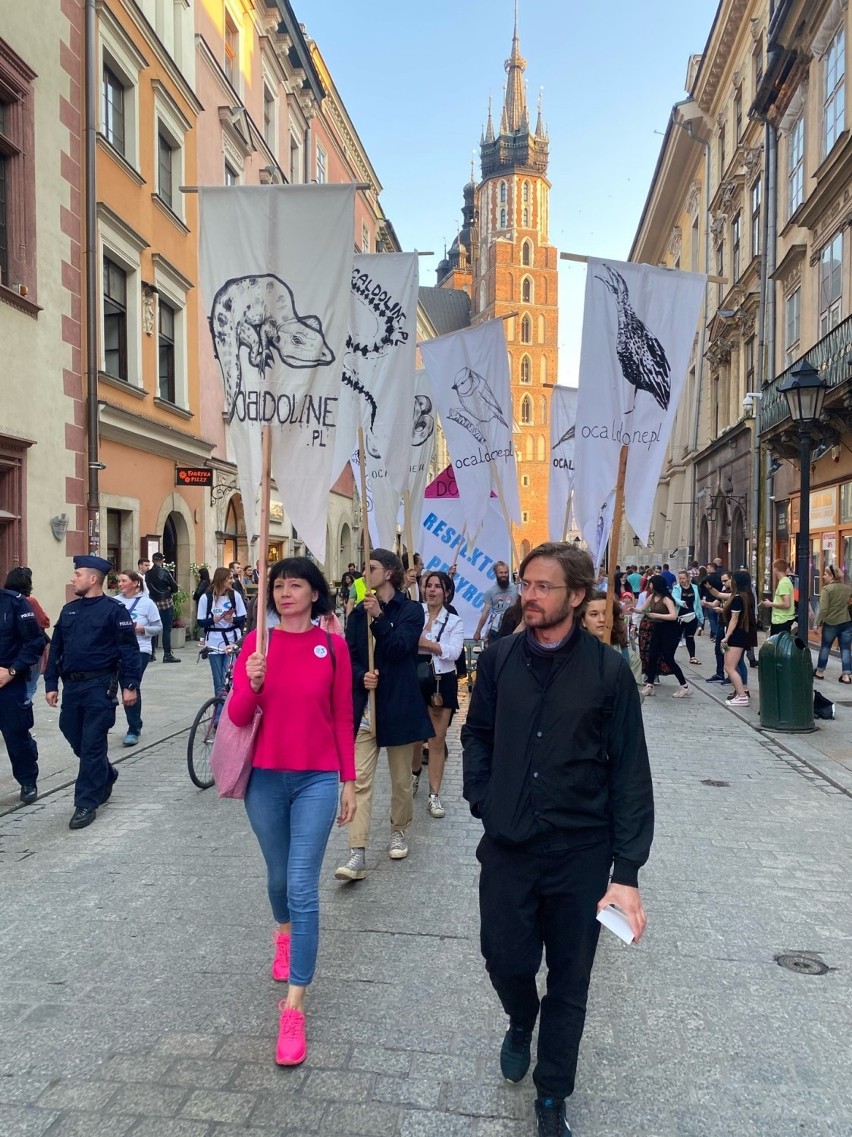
(504, 261)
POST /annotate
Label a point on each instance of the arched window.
(527, 296)
(502, 218)
(542, 369)
(541, 329)
(502, 193)
(526, 412)
(543, 411)
(540, 447)
(526, 330)
(526, 253)
(526, 217)
(529, 448)
(483, 296)
(526, 369)
(525, 193)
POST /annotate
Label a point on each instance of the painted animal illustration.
(641, 356)
(259, 313)
(476, 397)
(379, 326)
(424, 422)
(566, 437)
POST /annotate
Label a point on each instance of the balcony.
(832, 357)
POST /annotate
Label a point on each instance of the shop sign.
(829, 547)
(782, 526)
(824, 508)
(193, 476)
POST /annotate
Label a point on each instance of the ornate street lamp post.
(805, 394)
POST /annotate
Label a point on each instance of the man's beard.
(542, 621)
(501, 583)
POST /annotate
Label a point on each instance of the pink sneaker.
(292, 1047)
(281, 962)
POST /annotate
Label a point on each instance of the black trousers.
(86, 717)
(16, 722)
(535, 902)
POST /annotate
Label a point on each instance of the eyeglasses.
(538, 587)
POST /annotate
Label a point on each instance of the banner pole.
(265, 479)
(515, 559)
(567, 519)
(365, 531)
(615, 537)
(409, 537)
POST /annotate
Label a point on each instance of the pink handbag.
(233, 752)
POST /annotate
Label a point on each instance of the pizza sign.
(193, 476)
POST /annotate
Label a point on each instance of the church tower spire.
(515, 116)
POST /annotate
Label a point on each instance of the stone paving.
(136, 1000)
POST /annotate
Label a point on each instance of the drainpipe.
(93, 500)
(308, 135)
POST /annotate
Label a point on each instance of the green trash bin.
(786, 684)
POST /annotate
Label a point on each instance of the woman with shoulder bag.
(662, 612)
(835, 619)
(304, 749)
(690, 613)
(441, 644)
(740, 621)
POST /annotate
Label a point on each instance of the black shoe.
(82, 817)
(752, 662)
(113, 778)
(515, 1053)
(29, 793)
(170, 659)
(715, 679)
(551, 1119)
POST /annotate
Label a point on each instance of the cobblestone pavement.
(136, 1000)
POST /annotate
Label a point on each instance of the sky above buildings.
(416, 79)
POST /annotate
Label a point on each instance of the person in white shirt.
(148, 623)
(441, 644)
(222, 614)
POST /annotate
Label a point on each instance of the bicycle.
(202, 733)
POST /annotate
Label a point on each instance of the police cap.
(97, 563)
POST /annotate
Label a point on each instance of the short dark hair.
(577, 566)
(301, 568)
(392, 563)
(158, 557)
(19, 580)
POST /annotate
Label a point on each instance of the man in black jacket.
(395, 624)
(556, 767)
(162, 587)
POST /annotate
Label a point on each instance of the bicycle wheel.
(201, 736)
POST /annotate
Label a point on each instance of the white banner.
(639, 326)
(276, 264)
(469, 375)
(563, 415)
(439, 542)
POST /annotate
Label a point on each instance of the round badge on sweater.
(320, 652)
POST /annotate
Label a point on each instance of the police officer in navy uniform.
(21, 645)
(93, 648)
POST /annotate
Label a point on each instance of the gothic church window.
(502, 218)
(526, 369)
(526, 253)
(527, 291)
(526, 193)
(540, 448)
(526, 217)
(502, 193)
(526, 330)
(526, 413)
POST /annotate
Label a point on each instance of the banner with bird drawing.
(563, 417)
(639, 327)
(378, 367)
(276, 265)
(469, 376)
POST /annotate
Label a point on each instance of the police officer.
(21, 645)
(93, 646)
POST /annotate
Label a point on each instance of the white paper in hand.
(617, 922)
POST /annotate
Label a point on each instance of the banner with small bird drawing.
(639, 327)
(469, 375)
(563, 416)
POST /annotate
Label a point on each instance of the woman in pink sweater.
(304, 748)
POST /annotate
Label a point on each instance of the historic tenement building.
(502, 258)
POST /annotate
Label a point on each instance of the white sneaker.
(415, 784)
(355, 868)
(681, 692)
(398, 845)
(648, 689)
(435, 807)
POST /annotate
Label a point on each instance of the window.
(526, 411)
(542, 369)
(525, 220)
(4, 204)
(525, 515)
(525, 479)
(115, 320)
(269, 118)
(525, 193)
(540, 448)
(749, 363)
(830, 284)
(502, 218)
(526, 253)
(526, 330)
(502, 193)
(526, 369)
(231, 176)
(735, 249)
(738, 116)
(694, 251)
(13, 533)
(165, 174)
(792, 322)
(834, 91)
(756, 197)
(322, 166)
(543, 410)
(365, 238)
(757, 63)
(295, 161)
(795, 164)
(113, 111)
(17, 172)
(232, 51)
(527, 290)
(720, 270)
(166, 358)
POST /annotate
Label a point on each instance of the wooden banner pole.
(581, 259)
(265, 479)
(614, 539)
(515, 559)
(365, 529)
(567, 519)
(409, 538)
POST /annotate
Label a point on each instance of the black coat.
(401, 715)
(564, 757)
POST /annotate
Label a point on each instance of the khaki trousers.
(402, 803)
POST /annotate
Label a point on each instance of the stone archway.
(176, 526)
(704, 541)
(738, 553)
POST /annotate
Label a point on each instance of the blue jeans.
(134, 713)
(292, 815)
(713, 620)
(830, 633)
(218, 665)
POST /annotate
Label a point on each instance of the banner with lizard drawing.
(639, 327)
(276, 264)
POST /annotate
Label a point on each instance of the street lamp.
(805, 394)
